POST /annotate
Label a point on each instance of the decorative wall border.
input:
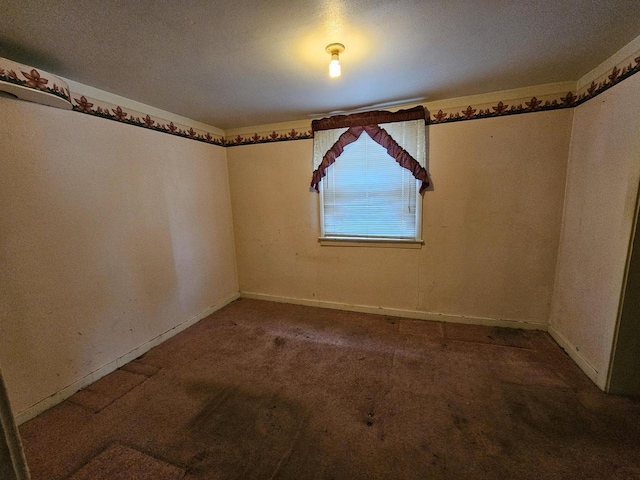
(30, 84)
(33, 81)
(36, 80)
(99, 108)
(265, 137)
(502, 109)
(616, 75)
(102, 109)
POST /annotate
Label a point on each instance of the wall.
(110, 236)
(491, 226)
(602, 186)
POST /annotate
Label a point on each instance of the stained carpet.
(261, 390)
(124, 463)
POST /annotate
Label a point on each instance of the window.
(370, 176)
(367, 195)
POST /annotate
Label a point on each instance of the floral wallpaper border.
(22, 75)
(109, 111)
(265, 137)
(99, 108)
(31, 78)
(569, 100)
(36, 80)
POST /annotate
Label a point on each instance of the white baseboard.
(396, 312)
(69, 390)
(575, 355)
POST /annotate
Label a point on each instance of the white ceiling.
(234, 63)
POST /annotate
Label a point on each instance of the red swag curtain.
(367, 122)
(368, 118)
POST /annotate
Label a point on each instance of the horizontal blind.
(367, 194)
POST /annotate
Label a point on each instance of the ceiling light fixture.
(334, 49)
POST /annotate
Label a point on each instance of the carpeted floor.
(273, 391)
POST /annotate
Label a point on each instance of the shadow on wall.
(22, 54)
(13, 465)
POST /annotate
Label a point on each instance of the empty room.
(343, 239)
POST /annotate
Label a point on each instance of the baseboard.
(69, 390)
(396, 312)
(575, 355)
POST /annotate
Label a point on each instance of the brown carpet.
(107, 390)
(273, 391)
(123, 463)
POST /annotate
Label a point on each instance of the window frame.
(400, 147)
(355, 241)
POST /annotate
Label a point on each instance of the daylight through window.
(370, 172)
(366, 194)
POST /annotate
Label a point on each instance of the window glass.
(366, 194)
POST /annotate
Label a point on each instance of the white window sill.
(370, 242)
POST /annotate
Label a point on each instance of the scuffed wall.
(602, 186)
(491, 225)
(109, 237)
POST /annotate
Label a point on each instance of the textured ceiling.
(239, 63)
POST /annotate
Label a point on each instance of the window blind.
(367, 194)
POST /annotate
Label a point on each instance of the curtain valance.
(368, 118)
(401, 133)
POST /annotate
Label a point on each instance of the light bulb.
(334, 49)
(334, 66)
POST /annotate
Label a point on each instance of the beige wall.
(110, 235)
(491, 225)
(602, 186)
